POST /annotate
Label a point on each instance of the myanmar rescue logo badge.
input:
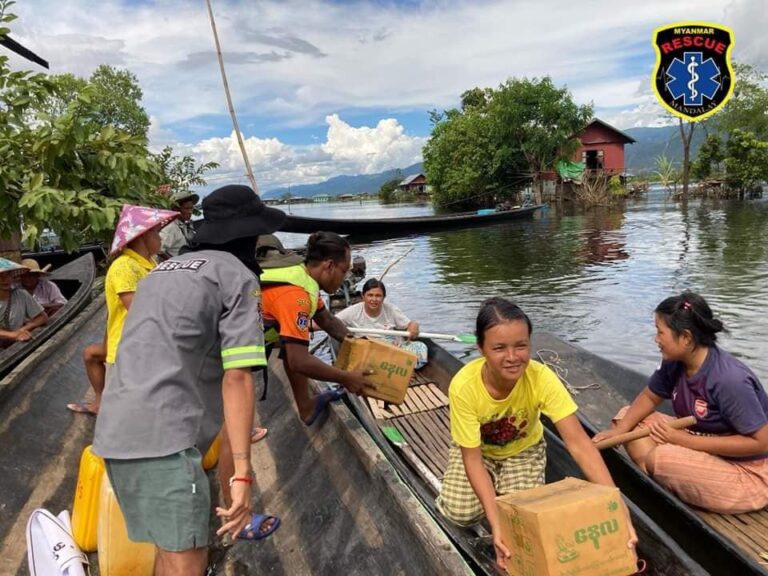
(693, 77)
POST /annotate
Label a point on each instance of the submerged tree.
(388, 190)
(501, 139)
(686, 135)
(746, 162)
(710, 158)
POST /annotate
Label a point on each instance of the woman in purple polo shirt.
(721, 463)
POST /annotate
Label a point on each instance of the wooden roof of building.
(622, 135)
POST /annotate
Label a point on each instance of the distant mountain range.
(347, 184)
(652, 142)
(639, 157)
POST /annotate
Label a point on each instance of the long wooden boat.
(423, 421)
(722, 543)
(343, 509)
(75, 281)
(404, 226)
(58, 257)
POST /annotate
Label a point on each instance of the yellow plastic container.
(119, 556)
(211, 457)
(85, 508)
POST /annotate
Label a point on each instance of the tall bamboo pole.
(248, 169)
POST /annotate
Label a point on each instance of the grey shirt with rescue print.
(193, 317)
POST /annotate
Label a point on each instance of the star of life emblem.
(693, 77)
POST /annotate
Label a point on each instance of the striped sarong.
(457, 500)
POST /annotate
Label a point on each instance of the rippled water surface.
(590, 276)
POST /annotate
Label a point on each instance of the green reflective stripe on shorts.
(244, 363)
(242, 350)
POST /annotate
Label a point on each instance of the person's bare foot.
(258, 434)
(84, 408)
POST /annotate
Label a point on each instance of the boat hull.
(402, 226)
(602, 387)
(664, 556)
(75, 281)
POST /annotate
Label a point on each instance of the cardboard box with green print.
(567, 528)
(390, 367)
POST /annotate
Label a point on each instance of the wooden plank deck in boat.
(423, 421)
(600, 388)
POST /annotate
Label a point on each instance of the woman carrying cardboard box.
(496, 402)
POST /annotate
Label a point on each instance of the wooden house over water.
(416, 183)
(602, 147)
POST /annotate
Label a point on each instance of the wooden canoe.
(423, 421)
(75, 281)
(722, 543)
(343, 509)
(403, 226)
(58, 258)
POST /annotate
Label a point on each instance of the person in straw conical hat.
(19, 313)
(44, 291)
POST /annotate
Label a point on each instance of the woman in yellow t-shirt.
(498, 439)
(135, 246)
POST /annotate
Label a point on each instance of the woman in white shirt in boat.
(374, 312)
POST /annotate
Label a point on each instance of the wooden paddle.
(677, 424)
(463, 338)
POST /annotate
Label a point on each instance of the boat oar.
(677, 424)
(463, 338)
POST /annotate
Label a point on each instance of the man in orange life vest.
(290, 300)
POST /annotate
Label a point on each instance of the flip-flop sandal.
(81, 408)
(252, 529)
(321, 403)
(258, 434)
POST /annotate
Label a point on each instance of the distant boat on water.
(406, 225)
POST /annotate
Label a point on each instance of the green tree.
(746, 110)
(388, 190)
(182, 172)
(709, 159)
(538, 120)
(746, 161)
(65, 172)
(501, 139)
(116, 93)
(458, 158)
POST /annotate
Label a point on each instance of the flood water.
(590, 276)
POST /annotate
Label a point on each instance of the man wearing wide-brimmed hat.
(45, 292)
(192, 337)
(19, 313)
(180, 232)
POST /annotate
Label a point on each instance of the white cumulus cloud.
(346, 150)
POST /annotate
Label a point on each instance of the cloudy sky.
(326, 87)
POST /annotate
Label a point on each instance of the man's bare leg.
(189, 562)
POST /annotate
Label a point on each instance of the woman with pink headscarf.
(134, 247)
